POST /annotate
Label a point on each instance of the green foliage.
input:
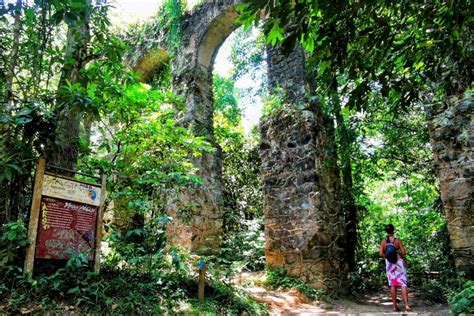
(434, 291)
(463, 302)
(86, 292)
(241, 162)
(224, 299)
(394, 183)
(225, 102)
(372, 64)
(140, 248)
(277, 279)
(165, 25)
(169, 17)
(37, 91)
(402, 47)
(243, 249)
(273, 104)
(13, 239)
(143, 151)
(242, 195)
(377, 56)
(135, 277)
(119, 289)
(127, 130)
(248, 54)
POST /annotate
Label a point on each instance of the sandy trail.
(292, 302)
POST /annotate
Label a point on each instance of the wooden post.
(34, 218)
(202, 280)
(98, 229)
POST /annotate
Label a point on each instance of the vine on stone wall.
(162, 31)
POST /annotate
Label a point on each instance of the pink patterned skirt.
(396, 273)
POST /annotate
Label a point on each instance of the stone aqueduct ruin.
(303, 225)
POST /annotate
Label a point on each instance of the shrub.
(246, 247)
(278, 279)
(463, 302)
(13, 240)
(433, 291)
(122, 287)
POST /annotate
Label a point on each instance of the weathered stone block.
(305, 196)
(456, 190)
(453, 124)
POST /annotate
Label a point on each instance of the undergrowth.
(117, 291)
(131, 282)
(463, 301)
(277, 279)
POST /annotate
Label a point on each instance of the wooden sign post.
(65, 218)
(98, 231)
(202, 280)
(34, 218)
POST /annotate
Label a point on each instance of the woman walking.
(393, 251)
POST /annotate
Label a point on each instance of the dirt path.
(291, 302)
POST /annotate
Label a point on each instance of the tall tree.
(345, 141)
(8, 74)
(13, 58)
(50, 73)
(68, 108)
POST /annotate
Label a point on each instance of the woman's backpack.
(391, 251)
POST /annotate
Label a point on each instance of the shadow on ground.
(292, 302)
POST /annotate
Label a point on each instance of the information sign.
(65, 228)
(65, 217)
(81, 192)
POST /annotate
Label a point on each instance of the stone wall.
(303, 222)
(452, 138)
(204, 31)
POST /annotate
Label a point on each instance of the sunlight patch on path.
(292, 302)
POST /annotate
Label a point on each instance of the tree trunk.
(13, 59)
(7, 96)
(349, 207)
(452, 138)
(66, 149)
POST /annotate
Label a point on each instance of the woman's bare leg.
(405, 297)
(393, 289)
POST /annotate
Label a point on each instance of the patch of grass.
(277, 279)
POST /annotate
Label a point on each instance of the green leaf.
(242, 7)
(8, 174)
(25, 111)
(75, 290)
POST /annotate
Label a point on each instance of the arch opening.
(302, 227)
(238, 83)
(151, 63)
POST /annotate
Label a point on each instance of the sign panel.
(65, 228)
(65, 218)
(71, 190)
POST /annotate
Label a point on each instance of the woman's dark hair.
(389, 229)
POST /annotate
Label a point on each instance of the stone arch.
(303, 222)
(303, 226)
(151, 62)
(204, 31)
(220, 28)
